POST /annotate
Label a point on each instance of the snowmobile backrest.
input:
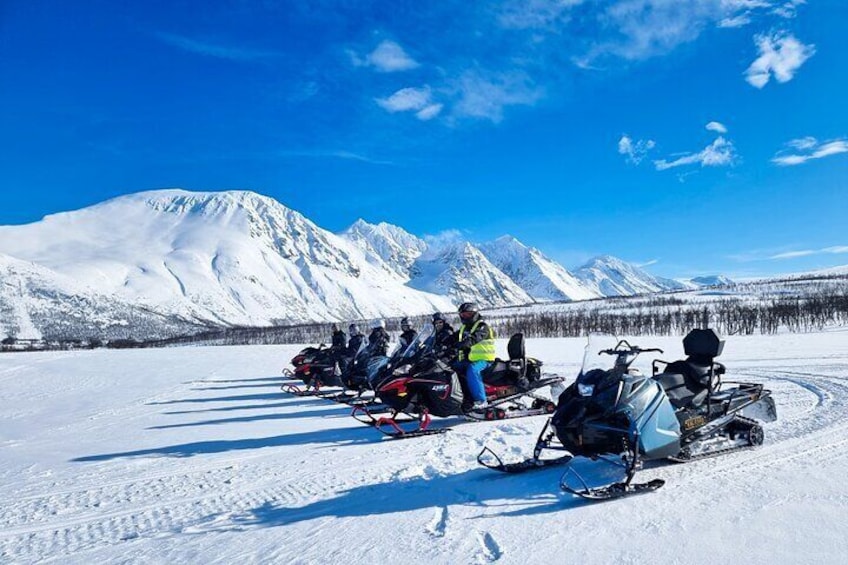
(515, 347)
(702, 346)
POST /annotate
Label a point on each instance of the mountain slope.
(461, 271)
(610, 276)
(227, 257)
(539, 276)
(388, 247)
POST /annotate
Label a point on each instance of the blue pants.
(473, 371)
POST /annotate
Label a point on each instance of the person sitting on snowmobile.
(379, 339)
(353, 345)
(443, 334)
(339, 338)
(408, 335)
(476, 351)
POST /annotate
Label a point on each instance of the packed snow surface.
(195, 455)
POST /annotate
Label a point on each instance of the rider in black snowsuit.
(408, 335)
(339, 338)
(378, 340)
(443, 334)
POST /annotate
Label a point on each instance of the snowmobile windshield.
(422, 339)
(595, 365)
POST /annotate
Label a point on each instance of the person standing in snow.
(378, 339)
(475, 352)
(408, 334)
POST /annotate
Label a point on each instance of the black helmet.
(404, 324)
(437, 317)
(467, 311)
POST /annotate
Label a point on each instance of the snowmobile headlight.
(402, 370)
(585, 390)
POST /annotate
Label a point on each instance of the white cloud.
(808, 148)
(788, 9)
(635, 151)
(387, 57)
(485, 95)
(418, 100)
(717, 127)
(719, 153)
(781, 55)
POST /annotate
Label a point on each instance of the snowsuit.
(407, 337)
(339, 339)
(476, 346)
(378, 341)
(351, 350)
(444, 338)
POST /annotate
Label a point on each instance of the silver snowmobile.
(615, 419)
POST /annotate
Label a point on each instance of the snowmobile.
(316, 367)
(620, 418)
(423, 383)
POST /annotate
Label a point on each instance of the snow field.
(194, 454)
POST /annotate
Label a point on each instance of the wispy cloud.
(834, 250)
(418, 100)
(806, 148)
(788, 9)
(387, 57)
(484, 95)
(781, 55)
(773, 255)
(647, 263)
(720, 153)
(535, 14)
(215, 49)
(717, 127)
(635, 151)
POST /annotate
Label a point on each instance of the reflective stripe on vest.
(483, 350)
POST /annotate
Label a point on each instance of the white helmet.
(379, 324)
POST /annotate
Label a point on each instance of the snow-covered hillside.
(36, 302)
(228, 258)
(389, 247)
(539, 276)
(461, 271)
(193, 455)
(610, 276)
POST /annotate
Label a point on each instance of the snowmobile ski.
(615, 490)
(531, 464)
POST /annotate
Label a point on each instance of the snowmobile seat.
(509, 372)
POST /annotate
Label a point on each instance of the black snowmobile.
(316, 367)
(682, 412)
(424, 384)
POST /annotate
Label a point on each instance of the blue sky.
(695, 136)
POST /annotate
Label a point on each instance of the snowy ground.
(194, 455)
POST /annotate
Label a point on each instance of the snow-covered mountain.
(610, 276)
(460, 270)
(36, 303)
(539, 276)
(227, 257)
(388, 247)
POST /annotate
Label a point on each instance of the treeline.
(729, 316)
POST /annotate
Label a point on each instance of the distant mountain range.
(178, 260)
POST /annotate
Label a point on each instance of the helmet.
(335, 327)
(467, 311)
(353, 329)
(404, 324)
(437, 317)
(379, 324)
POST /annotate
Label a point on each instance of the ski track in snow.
(195, 455)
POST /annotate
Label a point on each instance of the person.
(339, 338)
(408, 334)
(353, 345)
(476, 351)
(378, 339)
(355, 341)
(443, 334)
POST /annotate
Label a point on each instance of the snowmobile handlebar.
(629, 349)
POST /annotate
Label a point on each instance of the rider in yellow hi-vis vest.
(476, 351)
